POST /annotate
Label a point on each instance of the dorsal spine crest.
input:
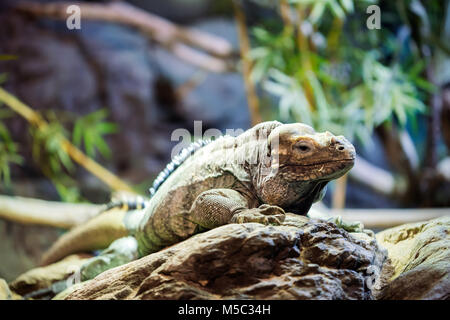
(177, 161)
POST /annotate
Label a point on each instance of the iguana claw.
(265, 214)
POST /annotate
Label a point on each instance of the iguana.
(254, 177)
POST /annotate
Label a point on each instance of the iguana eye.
(303, 147)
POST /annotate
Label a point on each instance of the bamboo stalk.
(285, 13)
(303, 47)
(252, 98)
(76, 154)
(113, 181)
(19, 107)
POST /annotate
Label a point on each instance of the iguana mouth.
(341, 161)
(316, 171)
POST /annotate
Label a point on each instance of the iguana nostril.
(340, 147)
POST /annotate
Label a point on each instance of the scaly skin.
(254, 177)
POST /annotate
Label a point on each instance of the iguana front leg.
(217, 207)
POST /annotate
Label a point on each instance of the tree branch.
(174, 38)
(48, 213)
(200, 59)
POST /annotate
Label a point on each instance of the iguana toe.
(265, 214)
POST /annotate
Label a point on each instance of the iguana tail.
(97, 233)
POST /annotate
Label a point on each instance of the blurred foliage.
(46, 148)
(47, 152)
(8, 149)
(3, 77)
(330, 71)
(90, 129)
(55, 162)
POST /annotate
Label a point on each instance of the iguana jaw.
(318, 171)
(300, 154)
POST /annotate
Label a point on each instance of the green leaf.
(107, 128)
(336, 9)
(347, 5)
(90, 130)
(89, 144)
(8, 152)
(317, 12)
(3, 77)
(319, 95)
(416, 69)
(102, 147)
(77, 134)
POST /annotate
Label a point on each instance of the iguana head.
(300, 164)
(300, 153)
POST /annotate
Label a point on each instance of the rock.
(63, 294)
(419, 255)
(40, 278)
(176, 10)
(302, 259)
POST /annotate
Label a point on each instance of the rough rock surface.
(302, 259)
(420, 260)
